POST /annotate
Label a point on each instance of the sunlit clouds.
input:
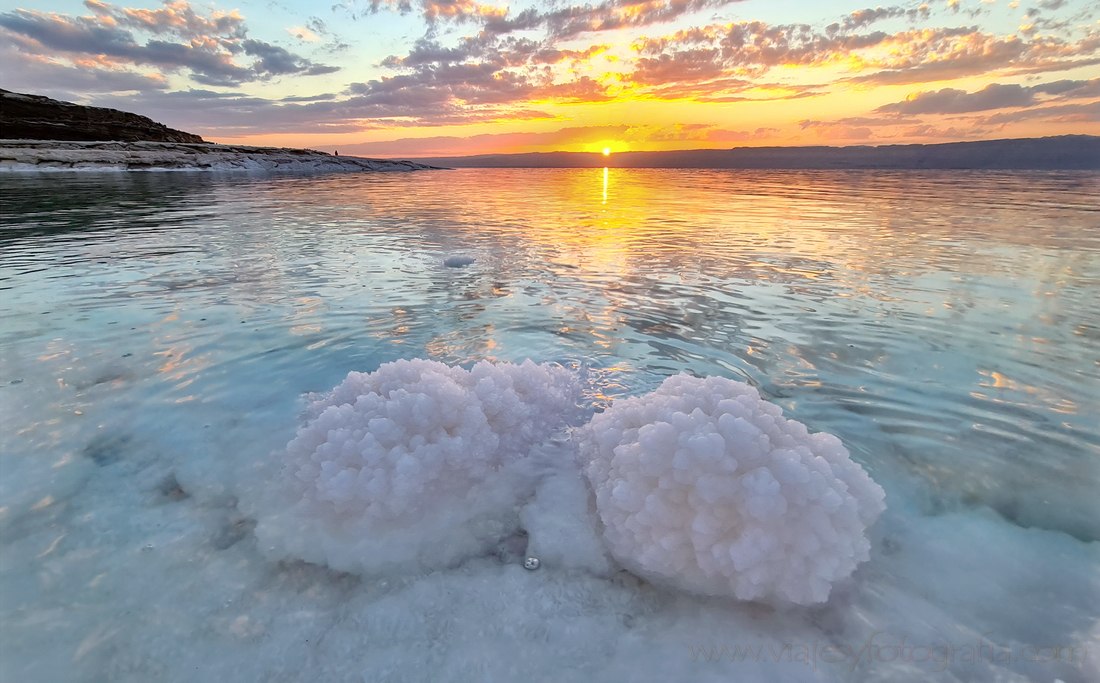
(440, 77)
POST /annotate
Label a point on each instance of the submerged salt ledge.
(700, 485)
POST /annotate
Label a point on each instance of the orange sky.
(446, 77)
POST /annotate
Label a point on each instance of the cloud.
(234, 114)
(42, 75)
(569, 137)
(510, 57)
(693, 65)
(993, 96)
(272, 60)
(865, 17)
(483, 61)
(915, 55)
(304, 34)
(896, 129)
(611, 15)
(309, 98)
(758, 47)
(952, 101)
(207, 46)
(447, 145)
(730, 89)
(175, 18)
(1064, 113)
(859, 121)
(558, 22)
(459, 9)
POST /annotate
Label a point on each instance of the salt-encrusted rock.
(415, 465)
(55, 155)
(704, 486)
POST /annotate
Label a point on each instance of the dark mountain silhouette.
(34, 117)
(1065, 152)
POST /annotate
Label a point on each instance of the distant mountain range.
(1064, 152)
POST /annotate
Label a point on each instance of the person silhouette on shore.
(336, 152)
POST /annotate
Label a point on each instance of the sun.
(607, 151)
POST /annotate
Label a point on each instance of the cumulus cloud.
(66, 81)
(710, 63)
(952, 101)
(176, 17)
(865, 17)
(274, 60)
(993, 96)
(561, 22)
(753, 48)
(232, 114)
(172, 38)
(479, 61)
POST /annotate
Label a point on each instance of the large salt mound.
(704, 486)
(415, 465)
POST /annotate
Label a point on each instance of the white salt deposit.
(417, 464)
(700, 485)
(37, 156)
(704, 486)
(124, 577)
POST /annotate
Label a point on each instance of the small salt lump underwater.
(704, 486)
(700, 485)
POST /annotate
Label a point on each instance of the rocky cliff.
(33, 117)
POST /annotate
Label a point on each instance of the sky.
(413, 78)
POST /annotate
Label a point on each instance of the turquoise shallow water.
(943, 324)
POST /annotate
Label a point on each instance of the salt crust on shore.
(53, 155)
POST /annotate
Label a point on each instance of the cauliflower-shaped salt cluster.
(704, 486)
(417, 463)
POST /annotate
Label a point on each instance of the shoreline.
(45, 156)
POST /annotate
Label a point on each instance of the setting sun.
(473, 77)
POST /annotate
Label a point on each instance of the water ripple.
(944, 324)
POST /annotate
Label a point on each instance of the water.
(158, 331)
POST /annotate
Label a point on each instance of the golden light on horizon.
(616, 77)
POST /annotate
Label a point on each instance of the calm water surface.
(945, 325)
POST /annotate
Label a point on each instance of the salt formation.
(704, 486)
(417, 464)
